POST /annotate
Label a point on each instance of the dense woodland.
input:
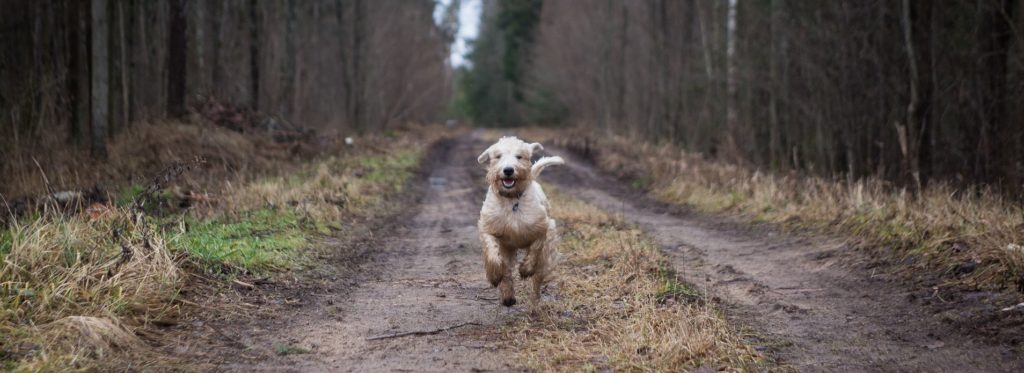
(78, 72)
(911, 91)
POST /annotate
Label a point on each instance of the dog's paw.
(525, 271)
(508, 302)
(495, 278)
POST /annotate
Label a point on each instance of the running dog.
(515, 217)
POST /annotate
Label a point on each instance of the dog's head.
(509, 162)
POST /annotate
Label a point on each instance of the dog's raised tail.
(543, 163)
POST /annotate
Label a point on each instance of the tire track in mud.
(817, 312)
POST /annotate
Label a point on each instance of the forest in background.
(79, 72)
(908, 91)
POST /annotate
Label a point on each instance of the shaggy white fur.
(514, 217)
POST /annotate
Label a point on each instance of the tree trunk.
(177, 51)
(80, 75)
(199, 36)
(125, 106)
(346, 75)
(705, 46)
(291, 56)
(620, 83)
(924, 29)
(775, 153)
(218, 42)
(995, 34)
(100, 84)
(142, 63)
(254, 54)
(358, 76)
(732, 85)
(916, 18)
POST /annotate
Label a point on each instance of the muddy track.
(812, 301)
(424, 275)
(419, 274)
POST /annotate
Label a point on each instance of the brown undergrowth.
(971, 237)
(85, 288)
(618, 306)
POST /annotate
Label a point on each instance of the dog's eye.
(499, 156)
(519, 157)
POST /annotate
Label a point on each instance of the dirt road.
(816, 302)
(422, 273)
(806, 300)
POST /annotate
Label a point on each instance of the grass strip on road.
(619, 306)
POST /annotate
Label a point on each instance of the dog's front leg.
(494, 262)
(498, 267)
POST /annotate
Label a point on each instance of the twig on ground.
(376, 148)
(230, 339)
(243, 284)
(420, 332)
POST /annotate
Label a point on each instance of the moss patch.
(257, 240)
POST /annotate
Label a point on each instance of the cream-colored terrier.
(515, 216)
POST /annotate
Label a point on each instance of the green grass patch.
(673, 288)
(6, 242)
(128, 195)
(390, 169)
(256, 240)
(287, 349)
(310, 201)
(640, 183)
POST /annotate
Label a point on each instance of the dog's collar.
(515, 206)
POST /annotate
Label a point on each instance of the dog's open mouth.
(508, 183)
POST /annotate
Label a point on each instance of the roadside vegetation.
(972, 237)
(82, 283)
(620, 307)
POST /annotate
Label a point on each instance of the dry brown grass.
(944, 227)
(70, 280)
(326, 189)
(76, 291)
(619, 307)
(133, 154)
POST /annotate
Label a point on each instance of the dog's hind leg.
(535, 284)
(543, 257)
(529, 264)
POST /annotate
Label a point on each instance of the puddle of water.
(438, 182)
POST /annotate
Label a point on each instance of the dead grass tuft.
(74, 279)
(969, 235)
(619, 307)
(95, 337)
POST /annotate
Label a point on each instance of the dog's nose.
(508, 171)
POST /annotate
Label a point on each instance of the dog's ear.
(484, 157)
(536, 147)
